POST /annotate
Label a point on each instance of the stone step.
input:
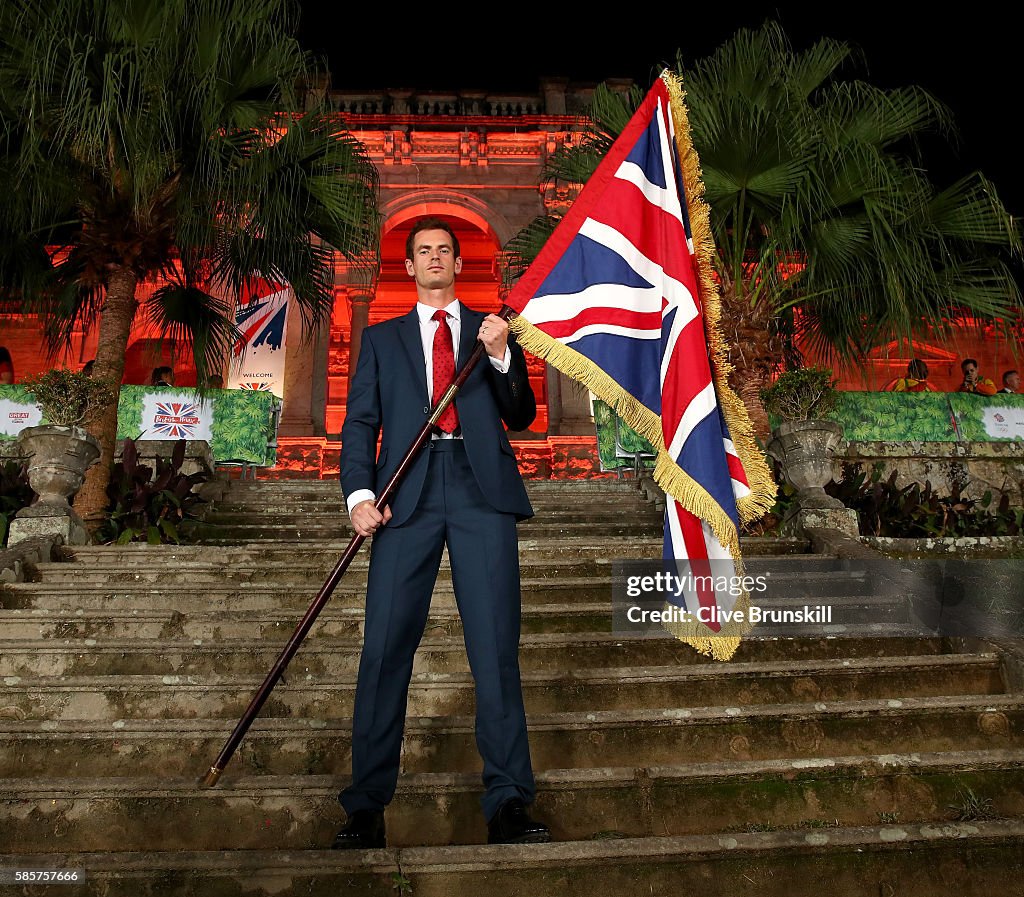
(969, 859)
(337, 656)
(212, 533)
(275, 625)
(200, 585)
(252, 596)
(205, 563)
(557, 740)
(782, 553)
(299, 812)
(579, 487)
(646, 517)
(109, 613)
(439, 694)
(846, 597)
(319, 504)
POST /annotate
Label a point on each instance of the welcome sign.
(258, 358)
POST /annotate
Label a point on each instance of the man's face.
(970, 373)
(1013, 381)
(433, 262)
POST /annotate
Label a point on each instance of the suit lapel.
(467, 339)
(409, 332)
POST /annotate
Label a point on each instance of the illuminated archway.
(481, 231)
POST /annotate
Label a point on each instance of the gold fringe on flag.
(741, 430)
(667, 473)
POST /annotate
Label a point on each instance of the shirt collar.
(426, 312)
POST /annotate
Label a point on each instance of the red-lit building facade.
(474, 159)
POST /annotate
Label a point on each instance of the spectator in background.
(162, 376)
(916, 379)
(6, 366)
(88, 366)
(973, 381)
(1011, 382)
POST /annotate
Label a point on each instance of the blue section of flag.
(703, 459)
(632, 363)
(647, 154)
(586, 263)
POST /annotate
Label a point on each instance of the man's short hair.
(1007, 375)
(431, 224)
(917, 369)
(967, 361)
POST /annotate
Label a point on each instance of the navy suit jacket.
(388, 396)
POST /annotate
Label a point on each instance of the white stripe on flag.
(701, 405)
(610, 329)
(565, 306)
(666, 200)
(679, 322)
(671, 289)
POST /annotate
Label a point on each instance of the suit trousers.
(484, 555)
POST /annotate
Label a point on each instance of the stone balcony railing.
(554, 97)
(434, 104)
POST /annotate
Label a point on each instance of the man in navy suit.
(464, 490)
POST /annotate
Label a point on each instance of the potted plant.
(60, 451)
(804, 443)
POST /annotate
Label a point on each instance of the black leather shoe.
(363, 831)
(513, 825)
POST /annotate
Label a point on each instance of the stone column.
(305, 377)
(569, 411)
(361, 288)
(553, 90)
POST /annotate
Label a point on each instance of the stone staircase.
(881, 765)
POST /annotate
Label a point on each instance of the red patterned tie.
(444, 370)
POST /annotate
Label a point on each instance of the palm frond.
(192, 317)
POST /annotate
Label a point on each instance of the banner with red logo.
(18, 410)
(173, 415)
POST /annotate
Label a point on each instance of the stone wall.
(995, 466)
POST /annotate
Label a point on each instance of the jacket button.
(426, 409)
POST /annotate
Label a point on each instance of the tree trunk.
(115, 328)
(748, 385)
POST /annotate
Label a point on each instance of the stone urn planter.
(58, 458)
(806, 451)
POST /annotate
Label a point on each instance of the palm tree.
(148, 138)
(826, 222)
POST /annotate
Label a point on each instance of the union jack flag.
(618, 299)
(176, 420)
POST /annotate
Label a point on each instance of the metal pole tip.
(212, 776)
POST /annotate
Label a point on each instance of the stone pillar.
(305, 377)
(360, 294)
(553, 90)
(569, 412)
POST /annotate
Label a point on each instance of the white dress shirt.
(428, 327)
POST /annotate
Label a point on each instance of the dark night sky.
(968, 63)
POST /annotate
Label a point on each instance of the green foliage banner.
(930, 417)
(875, 416)
(872, 417)
(609, 426)
(243, 420)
